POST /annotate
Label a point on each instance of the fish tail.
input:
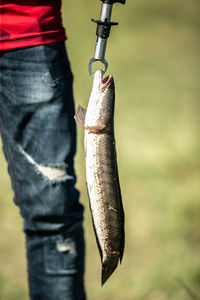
(109, 264)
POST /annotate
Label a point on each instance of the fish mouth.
(103, 83)
(106, 82)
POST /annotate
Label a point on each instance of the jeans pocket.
(63, 255)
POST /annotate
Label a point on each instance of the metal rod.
(103, 31)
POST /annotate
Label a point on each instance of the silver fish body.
(102, 173)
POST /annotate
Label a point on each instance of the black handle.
(113, 1)
(103, 28)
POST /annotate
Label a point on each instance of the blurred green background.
(154, 55)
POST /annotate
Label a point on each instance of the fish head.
(100, 110)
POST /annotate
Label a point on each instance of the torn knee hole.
(68, 245)
(50, 172)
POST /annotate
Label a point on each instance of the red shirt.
(30, 23)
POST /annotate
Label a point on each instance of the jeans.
(39, 141)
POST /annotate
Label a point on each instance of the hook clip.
(92, 60)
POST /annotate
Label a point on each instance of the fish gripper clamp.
(103, 32)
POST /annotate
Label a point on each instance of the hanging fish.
(102, 172)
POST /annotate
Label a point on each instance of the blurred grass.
(154, 56)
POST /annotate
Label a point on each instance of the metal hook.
(94, 60)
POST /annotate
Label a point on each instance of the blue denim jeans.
(39, 141)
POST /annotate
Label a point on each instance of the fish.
(102, 172)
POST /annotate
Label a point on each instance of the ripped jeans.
(39, 141)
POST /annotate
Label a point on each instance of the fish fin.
(109, 264)
(122, 237)
(122, 244)
(80, 115)
(95, 129)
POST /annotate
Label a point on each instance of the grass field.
(154, 55)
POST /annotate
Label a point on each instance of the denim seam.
(11, 163)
